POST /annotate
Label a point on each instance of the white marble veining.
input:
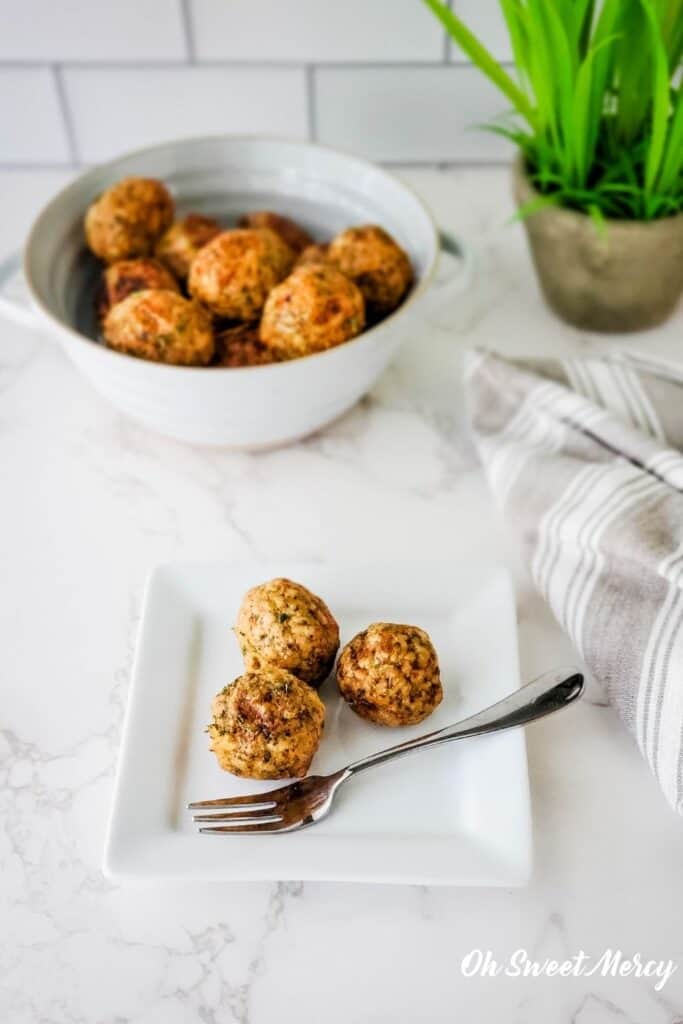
(90, 502)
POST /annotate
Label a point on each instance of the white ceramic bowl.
(250, 407)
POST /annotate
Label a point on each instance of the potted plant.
(598, 121)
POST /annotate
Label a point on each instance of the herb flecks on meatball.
(266, 725)
(179, 245)
(127, 219)
(314, 309)
(389, 674)
(234, 273)
(289, 231)
(121, 279)
(377, 264)
(161, 326)
(282, 624)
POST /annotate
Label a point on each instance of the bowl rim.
(104, 351)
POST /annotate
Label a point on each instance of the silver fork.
(302, 803)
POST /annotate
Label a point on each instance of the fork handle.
(546, 694)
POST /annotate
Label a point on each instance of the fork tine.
(255, 800)
(243, 829)
(240, 815)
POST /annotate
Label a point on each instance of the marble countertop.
(90, 503)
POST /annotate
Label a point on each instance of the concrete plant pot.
(627, 278)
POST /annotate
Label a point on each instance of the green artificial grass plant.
(597, 100)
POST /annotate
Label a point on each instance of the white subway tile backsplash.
(485, 19)
(409, 114)
(86, 30)
(31, 123)
(26, 192)
(374, 76)
(311, 30)
(116, 110)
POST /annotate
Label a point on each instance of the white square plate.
(454, 815)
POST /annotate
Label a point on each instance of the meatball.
(296, 238)
(282, 624)
(313, 254)
(378, 265)
(316, 308)
(234, 273)
(161, 326)
(389, 674)
(178, 246)
(128, 218)
(266, 725)
(124, 277)
(240, 345)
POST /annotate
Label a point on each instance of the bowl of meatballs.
(232, 291)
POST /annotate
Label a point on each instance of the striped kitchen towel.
(584, 458)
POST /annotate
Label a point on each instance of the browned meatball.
(240, 346)
(296, 238)
(378, 265)
(266, 725)
(315, 308)
(389, 674)
(124, 277)
(313, 254)
(234, 273)
(128, 218)
(161, 326)
(178, 246)
(283, 624)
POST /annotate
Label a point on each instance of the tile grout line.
(22, 166)
(188, 31)
(67, 120)
(446, 55)
(311, 105)
(262, 65)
